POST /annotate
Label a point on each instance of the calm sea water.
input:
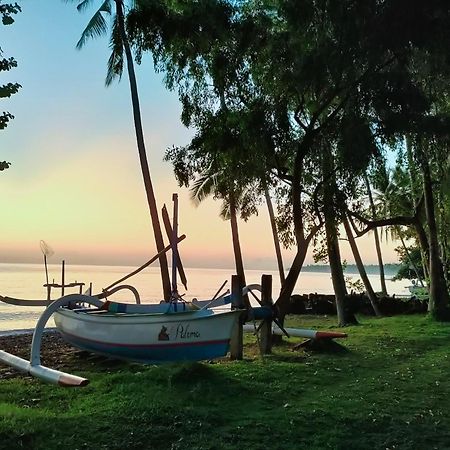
(26, 281)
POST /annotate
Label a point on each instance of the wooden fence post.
(237, 341)
(265, 337)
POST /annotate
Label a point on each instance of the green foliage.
(356, 286)
(352, 285)
(7, 10)
(320, 251)
(383, 390)
(272, 87)
(356, 138)
(98, 26)
(406, 269)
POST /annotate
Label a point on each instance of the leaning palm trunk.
(337, 274)
(439, 296)
(142, 154)
(408, 255)
(424, 248)
(415, 191)
(283, 302)
(377, 240)
(421, 235)
(235, 238)
(303, 240)
(276, 240)
(334, 257)
(362, 271)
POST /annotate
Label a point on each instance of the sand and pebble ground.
(55, 353)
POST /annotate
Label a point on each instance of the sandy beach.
(55, 353)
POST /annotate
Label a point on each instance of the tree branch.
(371, 224)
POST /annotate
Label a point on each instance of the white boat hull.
(149, 338)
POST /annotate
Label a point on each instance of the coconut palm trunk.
(331, 231)
(235, 238)
(377, 240)
(408, 255)
(361, 269)
(439, 296)
(142, 153)
(421, 234)
(337, 273)
(276, 240)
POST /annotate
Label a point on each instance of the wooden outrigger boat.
(145, 333)
(179, 334)
(150, 334)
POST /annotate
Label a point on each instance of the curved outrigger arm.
(23, 302)
(34, 367)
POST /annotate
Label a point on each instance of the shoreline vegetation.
(344, 397)
(371, 269)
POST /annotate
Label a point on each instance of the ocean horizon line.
(372, 269)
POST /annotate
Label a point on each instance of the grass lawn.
(389, 388)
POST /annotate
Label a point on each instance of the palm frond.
(225, 210)
(203, 187)
(115, 61)
(84, 5)
(97, 26)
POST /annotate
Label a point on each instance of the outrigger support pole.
(34, 367)
(42, 372)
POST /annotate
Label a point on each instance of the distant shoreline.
(371, 269)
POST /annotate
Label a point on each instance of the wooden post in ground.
(63, 279)
(265, 337)
(237, 337)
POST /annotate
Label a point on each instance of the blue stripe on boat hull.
(153, 354)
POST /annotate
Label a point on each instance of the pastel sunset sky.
(75, 179)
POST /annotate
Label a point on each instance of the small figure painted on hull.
(163, 336)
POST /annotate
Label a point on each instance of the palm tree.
(377, 238)
(360, 265)
(120, 47)
(276, 240)
(330, 213)
(396, 196)
(210, 183)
